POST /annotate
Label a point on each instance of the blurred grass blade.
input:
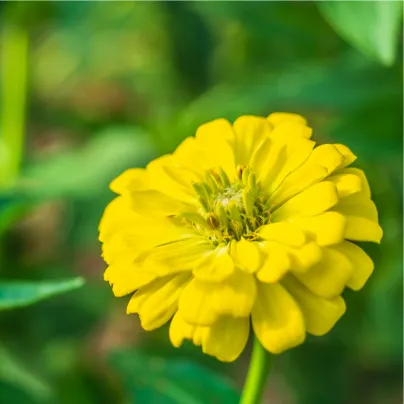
(371, 26)
(14, 67)
(18, 294)
(15, 373)
(151, 379)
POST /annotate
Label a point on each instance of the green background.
(89, 89)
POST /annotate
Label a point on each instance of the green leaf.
(150, 379)
(83, 172)
(301, 89)
(18, 294)
(13, 372)
(371, 26)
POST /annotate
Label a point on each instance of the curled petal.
(320, 314)
(246, 255)
(277, 320)
(328, 277)
(203, 302)
(226, 338)
(157, 302)
(362, 264)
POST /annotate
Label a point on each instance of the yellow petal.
(361, 229)
(134, 179)
(162, 180)
(250, 132)
(357, 205)
(183, 177)
(190, 155)
(320, 314)
(312, 201)
(213, 137)
(235, 296)
(347, 184)
(246, 255)
(292, 129)
(141, 235)
(181, 254)
(117, 215)
(203, 302)
(299, 259)
(195, 304)
(153, 203)
(276, 263)
(125, 277)
(349, 157)
(180, 330)
(365, 189)
(326, 229)
(277, 117)
(226, 338)
(216, 267)
(285, 155)
(362, 218)
(259, 159)
(305, 257)
(284, 233)
(277, 320)
(321, 163)
(157, 302)
(268, 160)
(119, 246)
(328, 277)
(362, 264)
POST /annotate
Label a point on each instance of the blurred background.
(89, 89)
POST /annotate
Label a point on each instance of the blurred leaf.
(18, 294)
(191, 53)
(371, 26)
(12, 207)
(314, 368)
(340, 87)
(14, 46)
(12, 394)
(265, 34)
(81, 173)
(143, 79)
(151, 379)
(15, 373)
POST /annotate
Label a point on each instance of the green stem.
(13, 76)
(260, 366)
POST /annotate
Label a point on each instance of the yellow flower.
(243, 222)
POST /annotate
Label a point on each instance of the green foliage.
(114, 85)
(11, 209)
(306, 87)
(18, 294)
(83, 172)
(13, 372)
(151, 379)
(371, 26)
(12, 111)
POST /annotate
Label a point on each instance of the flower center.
(230, 210)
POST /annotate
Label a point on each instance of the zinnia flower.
(243, 223)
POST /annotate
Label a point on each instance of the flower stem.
(260, 366)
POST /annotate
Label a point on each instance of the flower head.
(243, 222)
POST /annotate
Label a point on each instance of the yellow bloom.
(244, 221)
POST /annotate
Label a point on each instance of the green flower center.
(230, 210)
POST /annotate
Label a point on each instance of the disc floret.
(231, 209)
